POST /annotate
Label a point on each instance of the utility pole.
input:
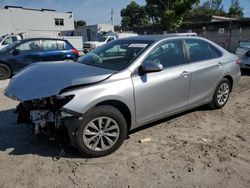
(112, 17)
(210, 4)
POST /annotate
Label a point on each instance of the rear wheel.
(102, 132)
(5, 72)
(221, 94)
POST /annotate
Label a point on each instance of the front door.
(29, 52)
(161, 93)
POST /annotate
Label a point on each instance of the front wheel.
(102, 132)
(221, 94)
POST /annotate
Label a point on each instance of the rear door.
(50, 51)
(206, 70)
(160, 93)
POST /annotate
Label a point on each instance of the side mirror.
(16, 52)
(150, 66)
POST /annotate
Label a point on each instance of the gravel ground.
(199, 148)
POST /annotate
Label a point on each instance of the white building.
(16, 20)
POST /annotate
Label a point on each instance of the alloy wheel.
(101, 133)
(223, 93)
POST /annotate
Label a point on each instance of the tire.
(221, 94)
(93, 141)
(5, 72)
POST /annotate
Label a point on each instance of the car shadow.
(20, 140)
(245, 72)
(201, 108)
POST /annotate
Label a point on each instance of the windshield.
(8, 47)
(115, 55)
(102, 39)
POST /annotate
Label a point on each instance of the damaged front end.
(47, 116)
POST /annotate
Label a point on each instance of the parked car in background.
(75, 41)
(123, 85)
(243, 52)
(8, 39)
(21, 53)
(90, 45)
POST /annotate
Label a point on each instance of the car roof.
(156, 38)
(30, 39)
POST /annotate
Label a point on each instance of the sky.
(95, 11)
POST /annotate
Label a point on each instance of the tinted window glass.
(198, 50)
(49, 45)
(168, 54)
(30, 46)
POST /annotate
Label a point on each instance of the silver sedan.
(123, 85)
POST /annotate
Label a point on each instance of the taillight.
(75, 51)
(238, 61)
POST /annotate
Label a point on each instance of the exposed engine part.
(40, 118)
(44, 115)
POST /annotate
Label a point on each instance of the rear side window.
(49, 45)
(199, 50)
(215, 53)
(60, 45)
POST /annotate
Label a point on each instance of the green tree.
(79, 23)
(168, 13)
(235, 10)
(134, 15)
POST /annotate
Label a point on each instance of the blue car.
(21, 53)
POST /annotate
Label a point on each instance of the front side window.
(199, 50)
(34, 45)
(115, 55)
(168, 54)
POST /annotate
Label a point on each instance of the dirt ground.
(199, 148)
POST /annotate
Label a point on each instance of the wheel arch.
(230, 79)
(122, 107)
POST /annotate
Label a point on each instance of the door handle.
(185, 73)
(219, 64)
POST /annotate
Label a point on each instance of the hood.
(49, 78)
